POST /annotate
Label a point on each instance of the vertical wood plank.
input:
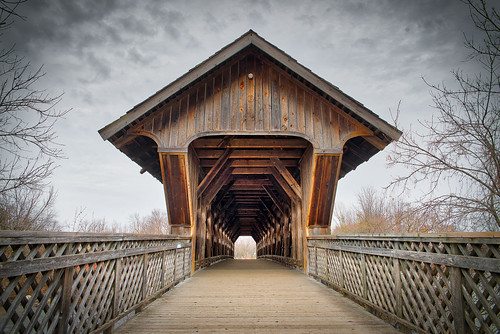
(183, 115)
(259, 107)
(301, 121)
(226, 100)
(364, 287)
(242, 96)
(341, 260)
(216, 124)
(66, 301)
(250, 93)
(457, 309)
(283, 82)
(144, 276)
(234, 95)
(266, 97)
(275, 101)
(398, 293)
(209, 104)
(292, 107)
(191, 117)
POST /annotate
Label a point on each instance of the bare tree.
(93, 224)
(28, 146)
(155, 223)
(457, 154)
(25, 209)
(375, 212)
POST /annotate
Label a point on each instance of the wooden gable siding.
(272, 102)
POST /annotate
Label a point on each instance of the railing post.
(144, 276)
(398, 293)
(457, 305)
(66, 300)
(115, 304)
(183, 263)
(364, 288)
(175, 265)
(316, 260)
(163, 264)
(341, 258)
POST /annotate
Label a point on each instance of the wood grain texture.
(253, 296)
(272, 102)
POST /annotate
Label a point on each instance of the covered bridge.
(249, 142)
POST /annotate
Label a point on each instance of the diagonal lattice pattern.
(434, 284)
(77, 293)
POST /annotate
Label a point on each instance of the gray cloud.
(110, 55)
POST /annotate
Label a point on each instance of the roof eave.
(249, 38)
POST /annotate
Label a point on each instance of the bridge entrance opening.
(245, 248)
(249, 186)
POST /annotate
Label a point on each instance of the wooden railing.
(210, 261)
(81, 283)
(442, 283)
(287, 261)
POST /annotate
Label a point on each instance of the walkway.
(253, 296)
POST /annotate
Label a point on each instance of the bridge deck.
(251, 296)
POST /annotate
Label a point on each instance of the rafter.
(216, 169)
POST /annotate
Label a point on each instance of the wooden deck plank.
(250, 296)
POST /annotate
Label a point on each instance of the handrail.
(425, 283)
(84, 282)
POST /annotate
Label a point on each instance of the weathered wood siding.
(272, 102)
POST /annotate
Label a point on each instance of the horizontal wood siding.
(271, 102)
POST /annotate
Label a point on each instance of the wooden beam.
(287, 176)
(209, 163)
(216, 169)
(250, 170)
(250, 143)
(274, 198)
(214, 187)
(252, 154)
(174, 174)
(324, 183)
(269, 209)
(285, 185)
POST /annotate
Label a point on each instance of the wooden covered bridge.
(249, 143)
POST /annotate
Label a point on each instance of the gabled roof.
(353, 107)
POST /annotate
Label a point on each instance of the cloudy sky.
(107, 56)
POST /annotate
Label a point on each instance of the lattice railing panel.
(155, 273)
(446, 283)
(79, 283)
(29, 303)
(169, 272)
(179, 265)
(426, 296)
(352, 273)
(132, 281)
(334, 267)
(321, 262)
(380, 282)
(92, 285)
(481, 291)
(312, 266)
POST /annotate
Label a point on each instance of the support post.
(66, 301)
(457, 295)
(398, 294)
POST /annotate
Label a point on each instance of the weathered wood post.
(457, 309)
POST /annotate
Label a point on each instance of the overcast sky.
(108, 56)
